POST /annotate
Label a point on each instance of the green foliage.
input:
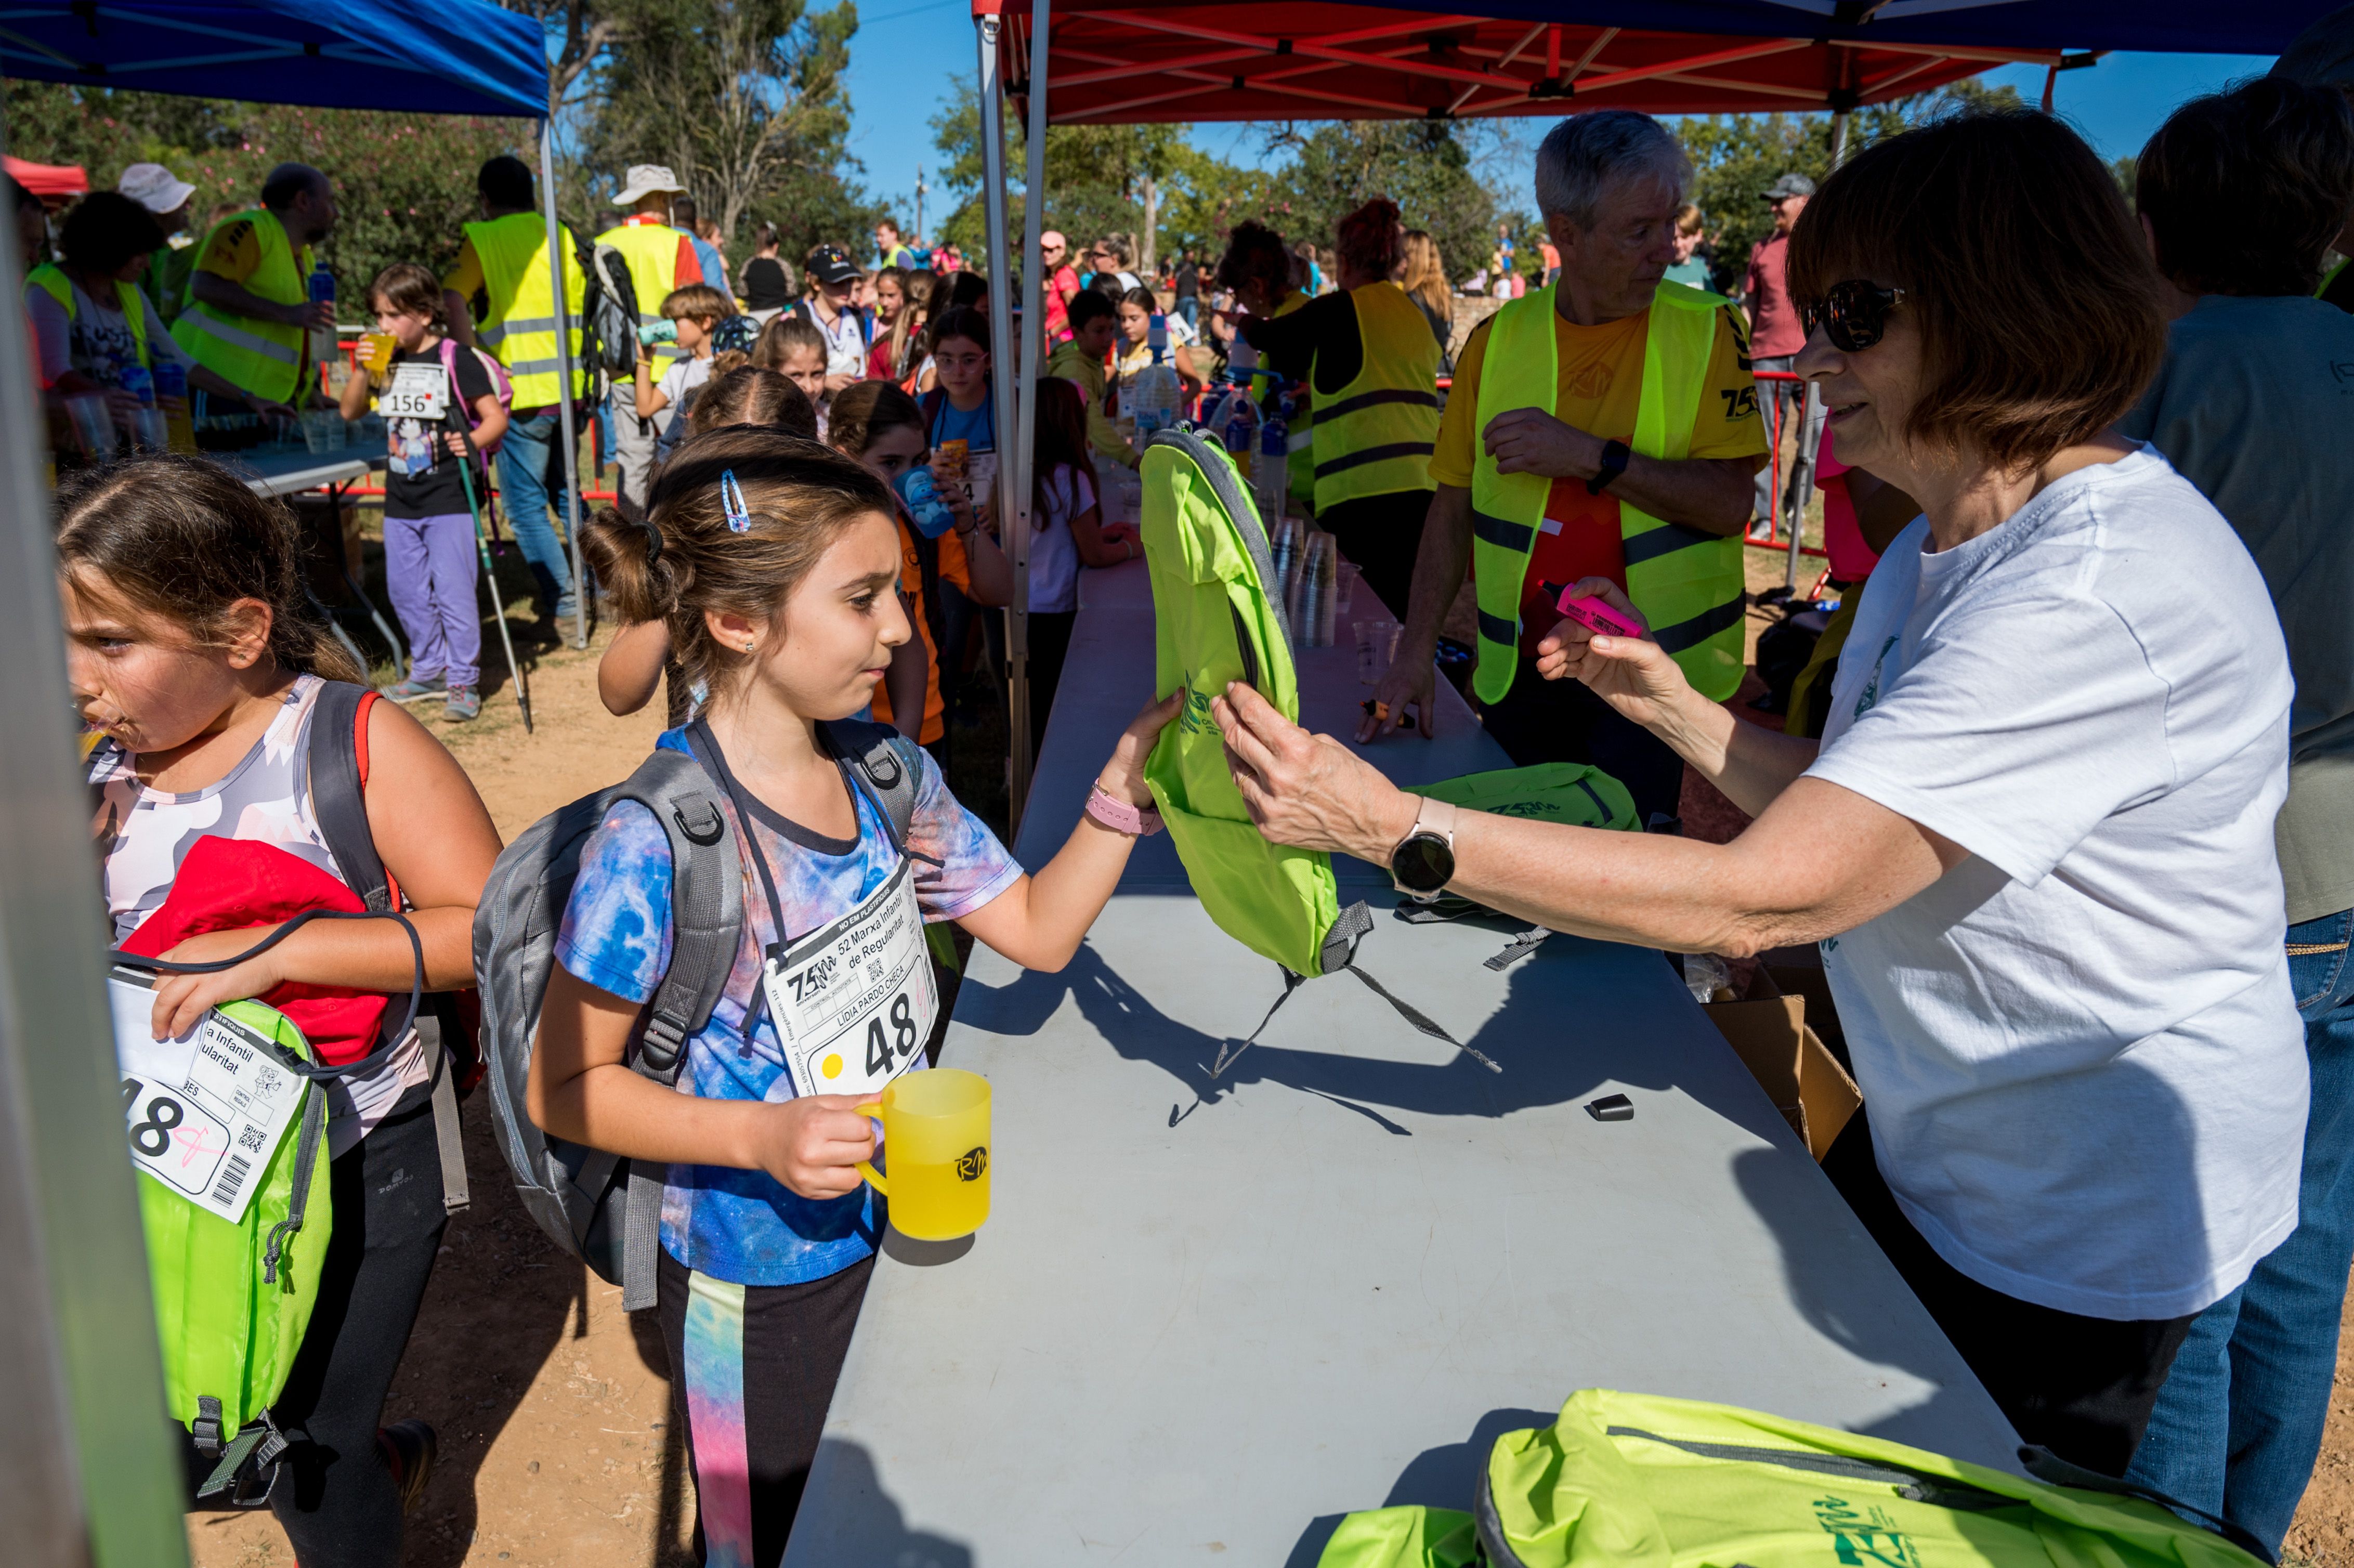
(1736, 156)
(1423, 165)
(403, 183)
(742, 98)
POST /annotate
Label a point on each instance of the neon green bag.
(1567, 792)
(232, 1301)
(1216, 618)
(1633, 1480)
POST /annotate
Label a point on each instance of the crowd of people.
(2065, 811)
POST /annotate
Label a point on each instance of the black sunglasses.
(1853, 314)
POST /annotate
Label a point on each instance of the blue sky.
(909, 55)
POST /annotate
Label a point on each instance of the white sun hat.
(643, 181)
(155, 187)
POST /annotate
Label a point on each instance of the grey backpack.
(597, 1205)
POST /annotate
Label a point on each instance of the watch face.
(1424, 863)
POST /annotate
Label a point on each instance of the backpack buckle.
(708, 829)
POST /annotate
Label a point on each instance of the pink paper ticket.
(1595, 615)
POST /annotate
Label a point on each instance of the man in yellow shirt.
(248, 313)
(1609, 184)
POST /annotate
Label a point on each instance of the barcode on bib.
(232, 1179)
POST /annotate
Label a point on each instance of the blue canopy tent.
(436, 57)
(450, 56)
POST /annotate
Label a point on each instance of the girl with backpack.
(196, 666)
(774, 574)
(439, 430)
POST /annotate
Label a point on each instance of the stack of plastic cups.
(1310, 604)
(1283, 552)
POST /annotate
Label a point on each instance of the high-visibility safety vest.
(264, 358)
(1687, 583)
(1299, 467)
(652, 251)
(52, 277)
(1374, 436)
(521, 327)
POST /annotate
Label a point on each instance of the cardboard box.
(1794, 1067)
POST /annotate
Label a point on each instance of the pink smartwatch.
(1122, 816)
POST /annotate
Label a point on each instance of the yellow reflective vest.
(52, 278)
(521, 326)
(1687, 583)
(652, 251)
(1374, 436)
(264, 358)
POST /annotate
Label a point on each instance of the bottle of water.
(1155, 396)
(1238, 426)
(324, 351)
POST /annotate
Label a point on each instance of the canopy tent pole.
(1030, 365)
(568, 434)
(1012, 496)
(1810, 412)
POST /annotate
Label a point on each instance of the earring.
(747, 645)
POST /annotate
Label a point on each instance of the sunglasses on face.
(1853, 314)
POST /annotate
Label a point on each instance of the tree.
(1735, 156)
(1425, 166)
(581, 31)
(743, 99)
(403, 183)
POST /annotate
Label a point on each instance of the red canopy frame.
(1113, 62)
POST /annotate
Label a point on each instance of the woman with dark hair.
(91, 322)
(768, 281)
(2035, 843)
(1370, 357)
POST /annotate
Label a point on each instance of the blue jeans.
(531, 480)
(2238, 1425)
(1189, 311)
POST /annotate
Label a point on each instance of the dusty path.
(553, 1407)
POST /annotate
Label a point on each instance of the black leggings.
(1380, 536)
(334, 1496)
(2082, 1387)
(754, 1378)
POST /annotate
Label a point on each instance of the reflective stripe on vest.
(521, 327)
(264, 358)
(652, 251)
(1687, 583)
(1299, 473)
(1374, 436)
(52, 278)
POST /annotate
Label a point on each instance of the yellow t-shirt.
(1599, 391)
(466, 276)
(233, 251)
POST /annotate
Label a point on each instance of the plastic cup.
(151, 431)
(1344, 587)
(1377, 644)
(323, 431)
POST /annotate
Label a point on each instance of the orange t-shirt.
(954, 568)
(1598, 390)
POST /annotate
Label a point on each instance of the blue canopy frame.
(443, 56)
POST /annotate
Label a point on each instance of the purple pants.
(430, 567)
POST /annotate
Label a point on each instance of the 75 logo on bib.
(854, 1003)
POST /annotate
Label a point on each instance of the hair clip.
(731, 498)
(653, 540)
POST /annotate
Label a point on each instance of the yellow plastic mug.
(935, 1127)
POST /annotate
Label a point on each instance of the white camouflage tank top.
(144, 834)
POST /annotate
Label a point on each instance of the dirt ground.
(558, 1444)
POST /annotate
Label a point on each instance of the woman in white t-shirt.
(2035, 843)
(1067, 530)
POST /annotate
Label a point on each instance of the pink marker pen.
(1593, 614)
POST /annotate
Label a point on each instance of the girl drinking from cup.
(776, 573)
(194, 660)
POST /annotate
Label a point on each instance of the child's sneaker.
(464, 702)
(410, 690)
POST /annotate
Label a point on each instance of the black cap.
(831, 264)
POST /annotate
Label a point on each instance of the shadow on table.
(863, 1525)
(1444, 1476)
(1546, 1058)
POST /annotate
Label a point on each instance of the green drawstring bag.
(1567, 792)
(1631, 1480)
(1218, 617)
(232, 1301)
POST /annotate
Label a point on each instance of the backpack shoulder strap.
(706, 906)
(339, 770)
(885, 762)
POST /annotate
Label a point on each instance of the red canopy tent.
(49, 180)
(1113, 61)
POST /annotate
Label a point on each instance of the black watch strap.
(1613, 463)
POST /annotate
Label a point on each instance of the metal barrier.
(1789, 500)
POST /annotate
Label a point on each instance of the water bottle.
(921, 495)
(172, 392)
(323, 293)
(1155, 396)
(135, 380)
(1241, 425)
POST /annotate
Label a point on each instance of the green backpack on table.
(1629, 1480)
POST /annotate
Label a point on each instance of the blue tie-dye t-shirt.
(745, 1226)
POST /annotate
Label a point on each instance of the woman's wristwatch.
(1122, 816)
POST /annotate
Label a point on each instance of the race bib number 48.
(853, 1003)
(204, 1112)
